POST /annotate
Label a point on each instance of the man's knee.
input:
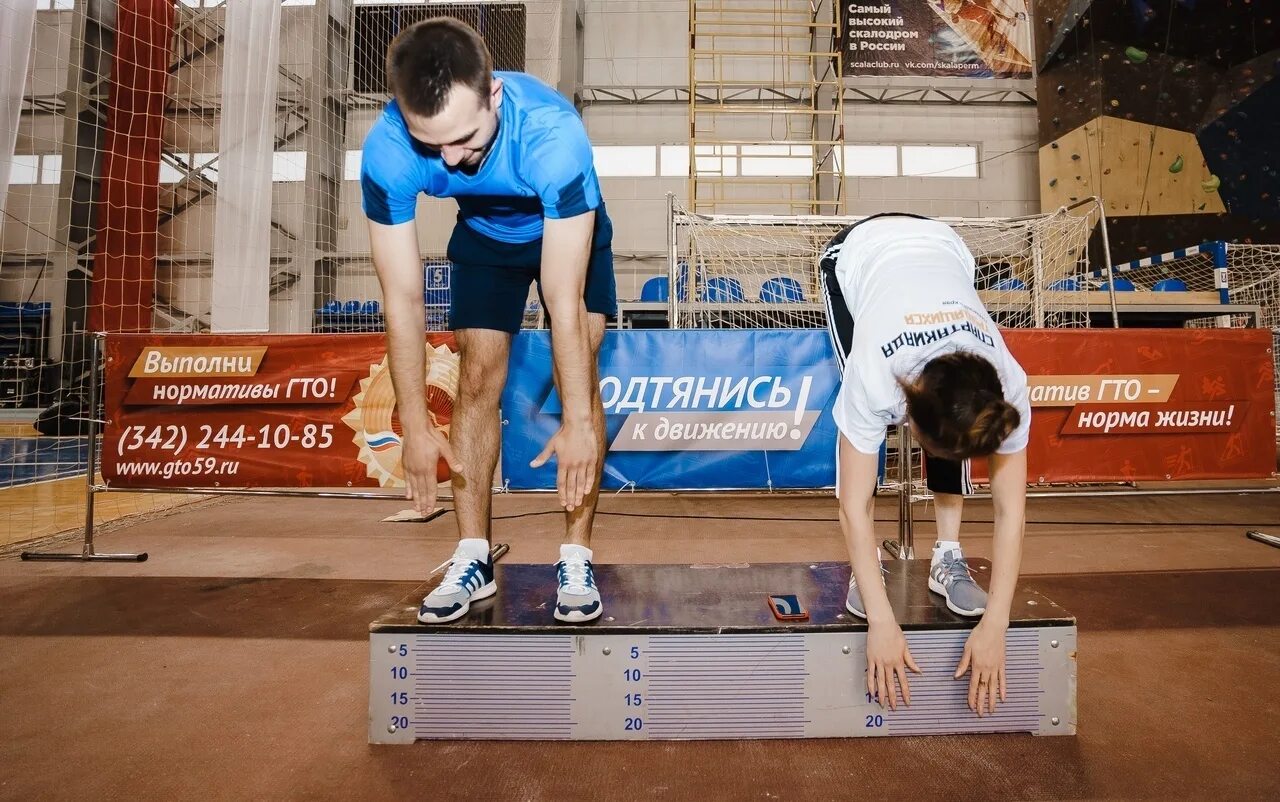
(482, 365)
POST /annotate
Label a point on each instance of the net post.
(1037, 279)
(1106, 258)
(1221, 276)
(87, 552)
(673, 319)
(904, 547)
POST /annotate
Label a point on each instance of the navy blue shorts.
(489, 279)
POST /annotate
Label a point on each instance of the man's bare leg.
(578, 522)
(476, 430)
(474, 435)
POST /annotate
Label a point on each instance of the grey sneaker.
(949, 577)
(577, 598)
(853, 602)
(467, 580)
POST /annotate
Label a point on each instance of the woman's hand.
(888, 659)
(984, 658)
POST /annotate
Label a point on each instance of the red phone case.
(794, 612)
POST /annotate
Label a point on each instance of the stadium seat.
(351, 307)
(782, 290)
(656, 290)
(722, 290)
(1170, 285)
(1065, 285)
(370, 308)
(1122, 285)
(332, 307)
(1009, 284)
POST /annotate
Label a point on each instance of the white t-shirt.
(908, 284)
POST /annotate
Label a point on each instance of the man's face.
(463, 130)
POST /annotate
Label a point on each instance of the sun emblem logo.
(377, 426)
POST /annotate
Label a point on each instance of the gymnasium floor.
(233, 663)
(42, 488)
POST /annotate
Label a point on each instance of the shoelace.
(458, 565)
(575, 575)
(956, 570)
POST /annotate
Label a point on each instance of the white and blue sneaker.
(469, 578)
(577, 598)
(949, 577)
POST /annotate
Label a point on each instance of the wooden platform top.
(708, 599)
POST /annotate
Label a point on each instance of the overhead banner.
(1147, 404)
(261, 410)
(687, 410)
(966, 38)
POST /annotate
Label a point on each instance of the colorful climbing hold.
(1114, 103)
(1212, 184)
(1176, 167)
(1135, 55)
(1053, 182)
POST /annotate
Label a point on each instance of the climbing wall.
(1167, 109)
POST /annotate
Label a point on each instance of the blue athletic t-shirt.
(539, 164)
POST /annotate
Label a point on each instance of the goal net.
(1247, 275)
(193, 166)
(759, 271)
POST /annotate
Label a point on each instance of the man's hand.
(984, 658)
(420, 457)
(576, 452)
(888, 659)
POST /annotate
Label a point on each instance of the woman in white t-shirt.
(917, 347)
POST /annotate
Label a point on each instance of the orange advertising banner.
(319, 411)
(261, 411)
(1147, 404)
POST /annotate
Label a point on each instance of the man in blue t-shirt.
(515, 155)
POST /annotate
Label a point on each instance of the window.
(716, 159)
(289, 165)
(170, 174)
(674, 160)
(208, 162)
(351, 165)
(50, 169)
(24, 170)
(780, 160)
(625, 161)
(940, 161)
(869, 160)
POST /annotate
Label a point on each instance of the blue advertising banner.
(687, 409)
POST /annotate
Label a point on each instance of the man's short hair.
(428, 58)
